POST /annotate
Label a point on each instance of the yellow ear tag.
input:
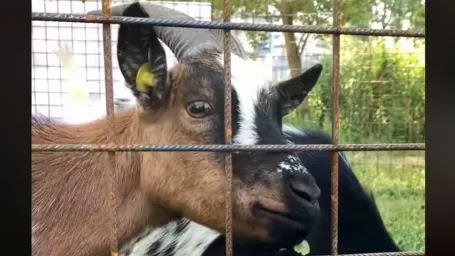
(144, 78)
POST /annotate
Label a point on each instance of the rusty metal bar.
(227, 148)
(335, 125)
(226, 25)
(410, 253)
(107, 48)
(63, 17)
(228, 126)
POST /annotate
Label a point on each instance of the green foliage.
(254, 37)
(356, 12)
(382, 95)
(382, 100)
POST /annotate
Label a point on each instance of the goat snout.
(303, 188)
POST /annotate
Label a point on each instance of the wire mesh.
(50, 91)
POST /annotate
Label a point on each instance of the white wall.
(49, 86)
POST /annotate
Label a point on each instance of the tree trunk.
(292, 50)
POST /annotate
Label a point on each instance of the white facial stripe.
(249, 78)
(193, 240)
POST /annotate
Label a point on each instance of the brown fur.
(73, 186)
(70, 190)
(70, 201)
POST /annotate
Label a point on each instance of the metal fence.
(336, 31)
(50, 88)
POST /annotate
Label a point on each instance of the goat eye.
(199, 109)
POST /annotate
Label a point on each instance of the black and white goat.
(361, 229)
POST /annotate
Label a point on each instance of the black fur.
(361, 229)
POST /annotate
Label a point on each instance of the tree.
(353, 13)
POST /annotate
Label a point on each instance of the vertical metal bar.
(335, 123)
(227, 126)
(107, 47)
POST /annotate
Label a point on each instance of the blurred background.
(382, 83)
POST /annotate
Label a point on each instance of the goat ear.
(296, 89)
(142, 61)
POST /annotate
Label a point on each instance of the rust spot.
(228, 133)
(89, 18)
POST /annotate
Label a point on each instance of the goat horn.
(182, 41)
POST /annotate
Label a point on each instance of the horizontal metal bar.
(417, 253)
(65, 17)
(226, 148)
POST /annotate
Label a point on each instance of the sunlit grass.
(400, 194)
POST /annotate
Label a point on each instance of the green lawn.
(398, 183)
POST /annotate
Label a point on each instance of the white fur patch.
(249, 78)
(292, 164)
(192, 240)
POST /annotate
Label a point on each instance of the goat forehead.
(200, 77)
(250, 80)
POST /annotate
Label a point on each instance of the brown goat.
(274, 196)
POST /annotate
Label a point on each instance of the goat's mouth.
(291, 219)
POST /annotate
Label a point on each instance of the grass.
(397, 181)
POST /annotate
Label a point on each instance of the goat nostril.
(301, 194)
(304, 191)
